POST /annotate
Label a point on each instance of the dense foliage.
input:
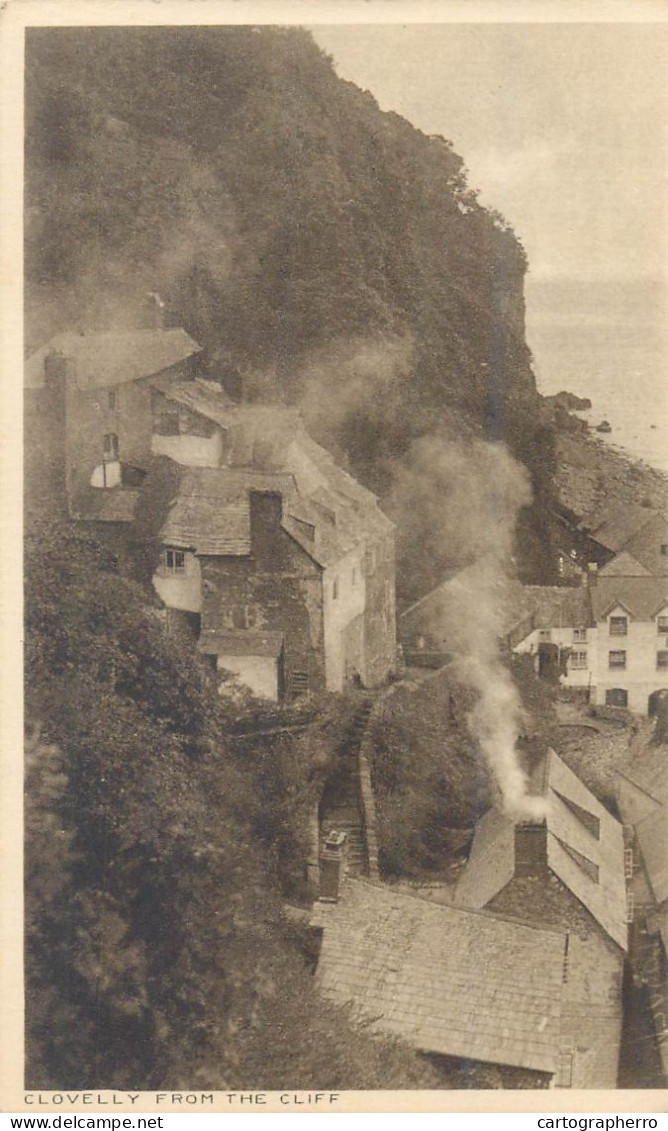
(156, 951)
(331, 254)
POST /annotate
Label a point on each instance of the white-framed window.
(628, 863)
(662, 624)
(110, 446)
(630, 907)
(578, 660)
(579, 635)
(173, 560)
(662, 659)
(619, 626)
(616, 659)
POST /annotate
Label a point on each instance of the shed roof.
(590, 864)
(447, 981)
(113, 357)
(642, 597)
(115, 504)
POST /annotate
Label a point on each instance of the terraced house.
(269, 553)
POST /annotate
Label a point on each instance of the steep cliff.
(330, 253)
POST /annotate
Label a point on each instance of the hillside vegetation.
(156, 950)
(330, 253)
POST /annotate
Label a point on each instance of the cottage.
(566, 872)
(286, 561)
(95, 390)
(609, 638)
(457, 985)
(625, 527)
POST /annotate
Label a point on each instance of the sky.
(563, 128)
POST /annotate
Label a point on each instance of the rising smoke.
(465, 498)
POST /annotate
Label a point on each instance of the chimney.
(332, 866)
(155, 311)
(592, 573)
(530, 848)
(56, 367)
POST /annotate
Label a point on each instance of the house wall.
(277, 588)
(89, 418)
(380, 626)
(344, 597)
(563, 638)
(259, 673)
(180, 590)
(640, 678)
(199, 442)
(592, 1003)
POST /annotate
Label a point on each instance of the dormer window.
(174, 561)
(619, 626)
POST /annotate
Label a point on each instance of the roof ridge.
(481, 911)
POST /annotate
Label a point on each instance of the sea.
(606, 340)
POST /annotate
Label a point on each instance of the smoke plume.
(465, 498)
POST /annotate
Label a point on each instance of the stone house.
(627, 528)
(278, 561)
(566, 872)
(609, 638)
(284, 563)
(95, 388)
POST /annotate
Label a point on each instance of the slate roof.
(649, 813)
(442, 606)
(324, 509)
(211, 511)
(113, 357)
(448, 981)
(615, 523)
(558, 606)
(240, 642)
(590, 865)
(624, 565)
(116, 504)
(642, 597)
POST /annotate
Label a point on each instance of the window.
(662, 624)
(578, 660)
(579, 635)
(628, 863)
(112, 401)
(616, 659)
(174, 561)
(619, 626)
(662, 660)
(616, 697)
(335, 589)
(630, 908)
(111, 445)
(664, 550)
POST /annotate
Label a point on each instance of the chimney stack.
(332, 866)
(530, 848)
(592, 573)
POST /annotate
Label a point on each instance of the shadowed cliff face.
(296, 231)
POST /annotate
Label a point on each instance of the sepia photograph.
(345, 555)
